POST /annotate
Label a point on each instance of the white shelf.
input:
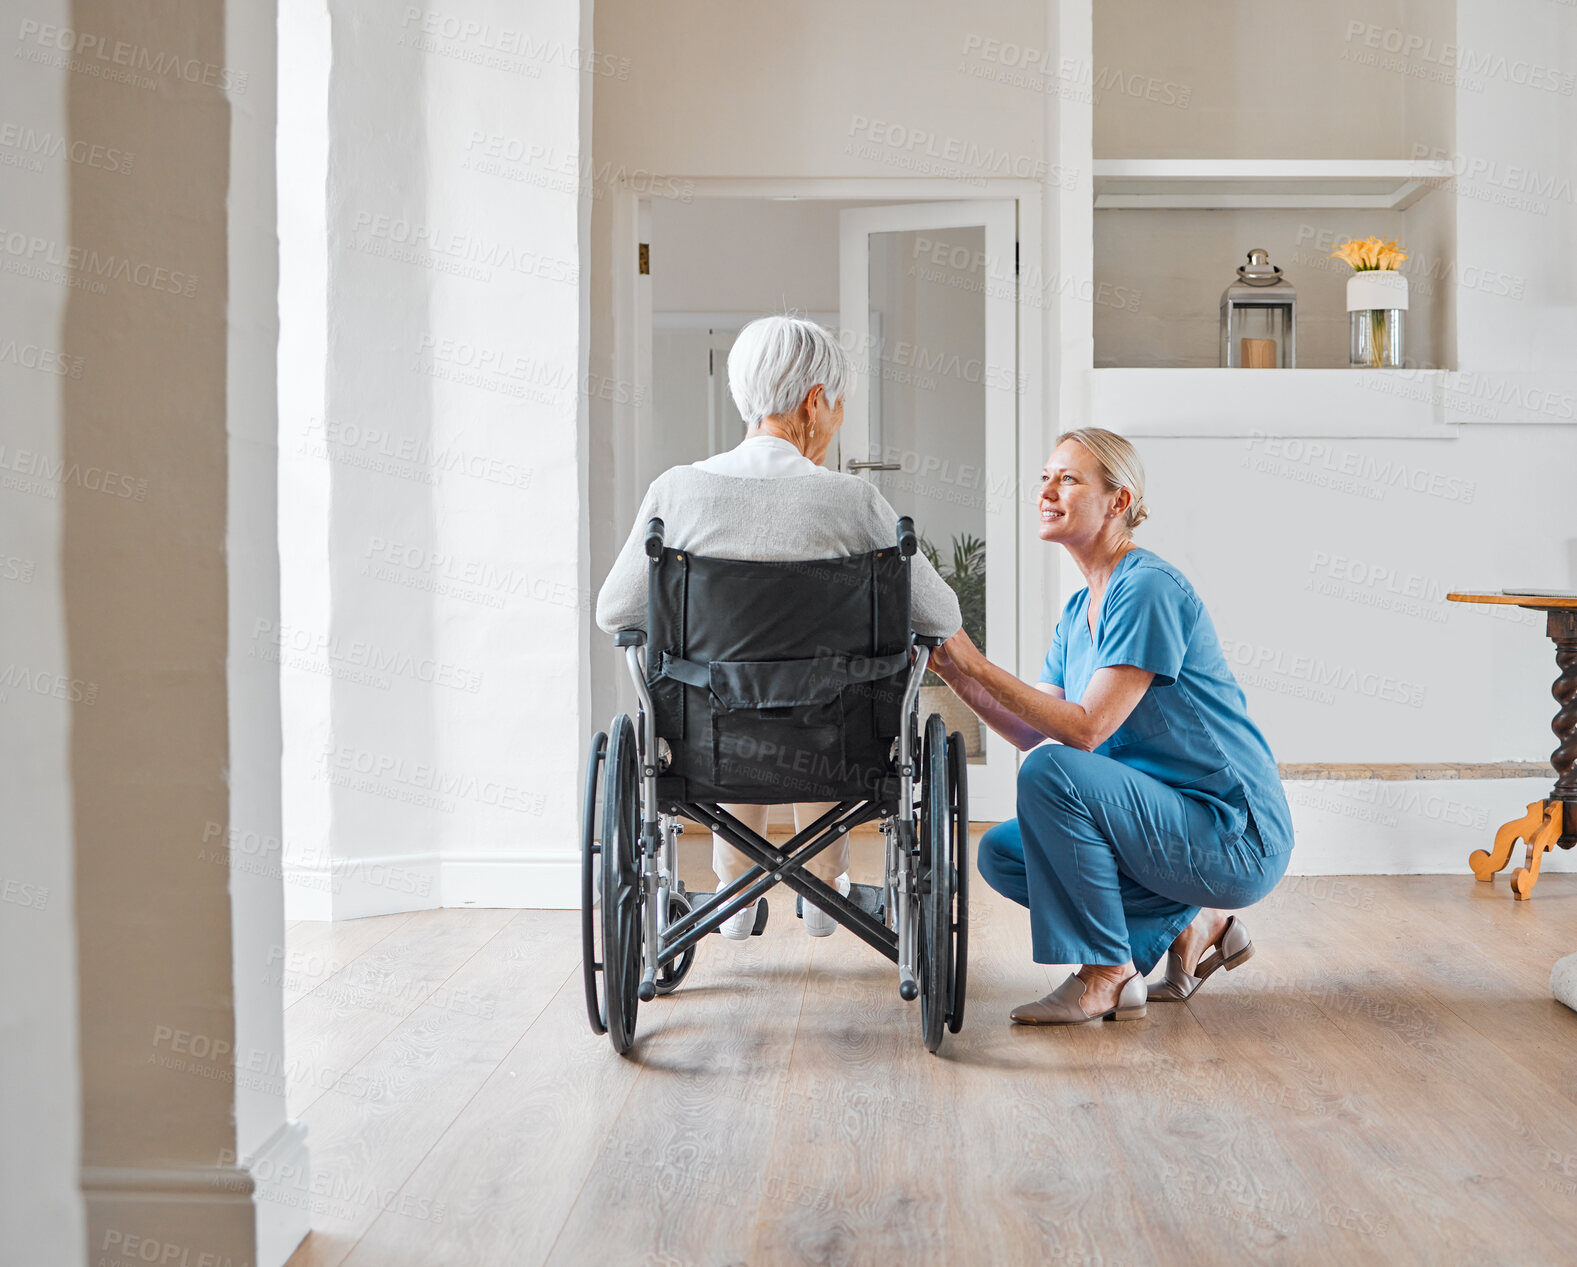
(1234, 402)
(1241, 183)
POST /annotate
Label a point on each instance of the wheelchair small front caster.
(670, 974)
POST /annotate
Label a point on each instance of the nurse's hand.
(956, 656)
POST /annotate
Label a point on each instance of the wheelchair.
(733, 709)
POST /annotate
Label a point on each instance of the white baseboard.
(220, 1213)
(389, 883)
(1422, 827)
(306, 897)
(353, 888)
(282, 1173)
(1343, 827)
(547, 881)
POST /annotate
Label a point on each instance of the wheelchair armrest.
(630, 638)
(928, 640)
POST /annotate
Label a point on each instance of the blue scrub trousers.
(1112, 863)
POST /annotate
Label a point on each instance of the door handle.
(874, 466)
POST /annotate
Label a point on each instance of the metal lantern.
(1259, 317)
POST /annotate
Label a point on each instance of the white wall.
(1270, 78)
(251, 551)
(1330, 588)
(1516, 155)
(753, 255)
(737, 258)
(1354, 543)
(1164, 271)
(144, 523)
(293, 641)
(811, 90)
(437, 617)
(768, 91)
(40, 1097)
(1325, 563)
(757, 256)
(1273, 535)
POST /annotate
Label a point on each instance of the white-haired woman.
(770, 499)
(1159, 808)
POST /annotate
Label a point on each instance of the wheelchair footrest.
(868, 897)
(762, 909)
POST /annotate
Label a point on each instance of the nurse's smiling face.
(1074, 506)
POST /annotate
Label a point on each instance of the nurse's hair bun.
(1120, 465)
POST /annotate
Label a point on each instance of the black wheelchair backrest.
(777, 681)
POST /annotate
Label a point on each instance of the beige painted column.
(172, 299)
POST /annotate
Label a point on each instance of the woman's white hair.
(775, 362)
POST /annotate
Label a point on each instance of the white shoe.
(739, 926)
(817, 922)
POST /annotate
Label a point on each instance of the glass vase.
(1376, 338)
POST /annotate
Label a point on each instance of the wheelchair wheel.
(591, 950)
(958, 780)
(622, 890)
(670, 974)
(935, 941)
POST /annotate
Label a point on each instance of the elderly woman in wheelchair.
(776, 622)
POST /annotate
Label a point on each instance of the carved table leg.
(1525, 877)
(1562, 629)
(1485, 865)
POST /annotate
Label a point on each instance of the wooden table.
(1552, 821)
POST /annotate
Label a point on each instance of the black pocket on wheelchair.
(777, 725)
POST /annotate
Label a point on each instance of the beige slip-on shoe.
(1235, 946)
(1062, 1006)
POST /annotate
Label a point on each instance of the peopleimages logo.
(386, 769)
(89, 263)
(1556, 186)
(1258, 663)
(1409, 45)
(507, 42)
(299, 647)
(33, 144)
(976, 160)
(38, 473)
(30, 356)
(1377, 473)
(96, 54)
(413, 241)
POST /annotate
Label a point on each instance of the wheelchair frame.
(640, 929)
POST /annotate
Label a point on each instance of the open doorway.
(924, 296)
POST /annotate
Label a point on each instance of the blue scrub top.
(1190, 729)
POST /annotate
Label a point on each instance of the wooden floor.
(1388, 1081)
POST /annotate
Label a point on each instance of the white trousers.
(828, 865)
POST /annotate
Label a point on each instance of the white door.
(693, 416)
(928, 296)
(693, 411)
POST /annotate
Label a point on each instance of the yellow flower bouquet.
(1365, 254)
(1376, 300)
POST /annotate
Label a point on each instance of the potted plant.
(966, 577)
(1376, 300)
